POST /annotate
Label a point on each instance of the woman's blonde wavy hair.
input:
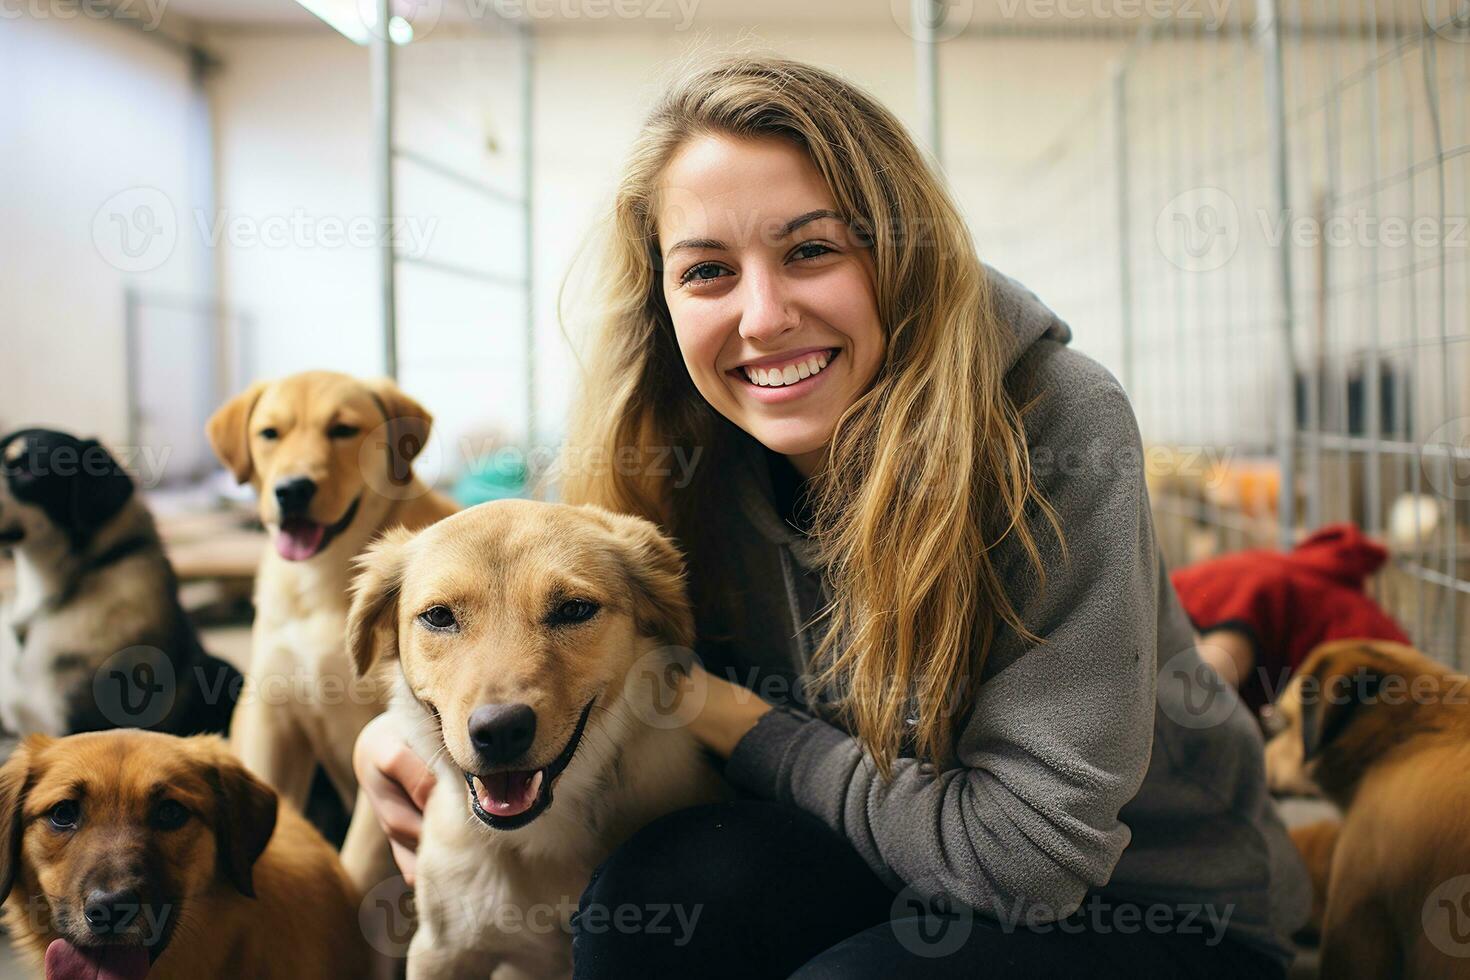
(926, 473)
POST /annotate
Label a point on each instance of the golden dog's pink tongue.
(299, 540)
(67, 962)
(507, 794)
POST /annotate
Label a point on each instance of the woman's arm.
(1059, 739)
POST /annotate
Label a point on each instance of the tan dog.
(537, 649)
(331, 458)
(131, 854)
(1384, 731)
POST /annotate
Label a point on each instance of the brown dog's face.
(515, 622)
(1349, 702)
(106, 838)
(314, 445)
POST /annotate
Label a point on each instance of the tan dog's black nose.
(502, 733)
(111, 912)
(294, 495)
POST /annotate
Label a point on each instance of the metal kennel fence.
(1262, 221)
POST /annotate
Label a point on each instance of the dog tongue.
(507, 794)
(67, 962)
(299, 540)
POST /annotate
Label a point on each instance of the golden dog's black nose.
(502, 733)
(294, 495)
(111, 912)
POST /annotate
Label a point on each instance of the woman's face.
(771, 293)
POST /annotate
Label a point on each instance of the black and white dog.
(94, 636)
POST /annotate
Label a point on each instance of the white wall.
(98, 130)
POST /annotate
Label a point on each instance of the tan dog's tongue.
(299, 540)
(508, 794)
(67, 962)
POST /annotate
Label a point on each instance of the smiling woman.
(959, 648)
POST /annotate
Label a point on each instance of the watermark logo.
(1445, 459)
(664, 689)
(135, 687)
(408, 20)
(930, 925)
(1191, 694)
(1199, 230)
(940, 20)
(1450, 19)
(1446, 917)
(393, 453)
(388, 916)
(136, 230)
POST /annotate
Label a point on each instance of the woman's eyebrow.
(786, 229)
(807, 218)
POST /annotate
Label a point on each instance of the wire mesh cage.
(1266, 237)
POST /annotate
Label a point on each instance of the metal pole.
(382, 72)
(926, 16)
(1125, 256)
(1268, 33)
(528, 171)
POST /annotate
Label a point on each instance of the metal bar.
(382, 88)
(449, 173)
(1125, 236)
(528, 198)
(1430, 64)
(927, 16)
(1268, 33)
(132, 338)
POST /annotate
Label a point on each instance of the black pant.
(756, 890)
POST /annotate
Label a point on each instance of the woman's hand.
(729, 711)
(397, 784)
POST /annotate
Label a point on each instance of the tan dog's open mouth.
(300, 539)
(510, 799)
(66, 961)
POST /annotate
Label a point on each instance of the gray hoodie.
(1106, 761)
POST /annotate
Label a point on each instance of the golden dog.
(537, 648)
(331, 459)
(1384, 731)
(131, 854)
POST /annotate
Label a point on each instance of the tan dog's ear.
(372, 621)
(15, 781)
(661, 604)
(245, 813)
(408, 427)
(229, 431)
(1339, 683)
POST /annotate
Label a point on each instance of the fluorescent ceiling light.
(346, 17)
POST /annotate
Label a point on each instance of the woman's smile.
(773, 381)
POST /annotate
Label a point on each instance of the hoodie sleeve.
(1060, 735)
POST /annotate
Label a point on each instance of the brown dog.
(331, 458)
(1384, 731)
(131, 854)
(537, 650)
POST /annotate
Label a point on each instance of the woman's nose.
(769, 310)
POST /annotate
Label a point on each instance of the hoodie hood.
(1025, 322)
(1027, 319)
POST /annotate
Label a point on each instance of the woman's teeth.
(788, 374)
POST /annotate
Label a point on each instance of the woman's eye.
(269, 433)
(64, 815)
(342, 431)
(702, 272)
(811, 250)
(573, 611)
(170, 815)
(438, 618)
